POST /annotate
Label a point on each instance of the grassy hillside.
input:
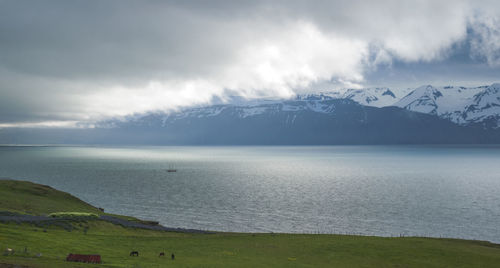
(31, 198)
(114, 244)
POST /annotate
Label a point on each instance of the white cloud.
(426, 30)
(293, 58)
(41, 124)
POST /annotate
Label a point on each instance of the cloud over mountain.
(85, 60)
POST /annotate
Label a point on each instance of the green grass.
(35, 199)
(114, 244)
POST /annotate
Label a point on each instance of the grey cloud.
(102, 40)
(60, 60)
(485, 39)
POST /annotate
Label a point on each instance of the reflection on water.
(451, 191)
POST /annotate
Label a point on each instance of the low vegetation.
(73, 215)
(35, 246)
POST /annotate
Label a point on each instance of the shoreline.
(146, 224)
(47, 221)
(79, 228)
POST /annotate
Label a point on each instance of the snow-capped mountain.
(461, 105)
(423, 99)
(485, 107)
(307, 103)
(312, 119)
(376, 97)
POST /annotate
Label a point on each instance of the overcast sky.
(63, 62)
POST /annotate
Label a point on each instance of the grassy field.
(35, 199)
(114, 243)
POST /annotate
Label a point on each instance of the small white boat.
(171, 169)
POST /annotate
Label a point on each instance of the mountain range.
(461, 105)
(424, 115)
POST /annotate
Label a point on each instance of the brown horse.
(162, 254)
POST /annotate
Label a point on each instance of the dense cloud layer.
(84, 60)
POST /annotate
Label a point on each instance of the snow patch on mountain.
(485, 107)
(423, 99)
(376, 97)
(252, 111)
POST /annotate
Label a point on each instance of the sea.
(419, 190)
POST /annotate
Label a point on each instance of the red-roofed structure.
(84, 258)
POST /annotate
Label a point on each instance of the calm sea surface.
(449, 191)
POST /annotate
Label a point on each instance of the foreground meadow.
(115, 242)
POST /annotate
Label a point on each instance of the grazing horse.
(134, 253)
(8, 251)
(162, 254)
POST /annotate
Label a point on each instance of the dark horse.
(134, 253)
(162, 254)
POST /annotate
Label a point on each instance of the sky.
(65, 62)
